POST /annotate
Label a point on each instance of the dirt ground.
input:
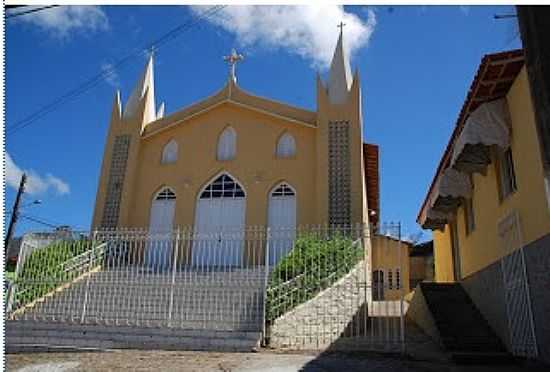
(134, 360)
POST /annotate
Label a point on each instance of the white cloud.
(61, 22)
(111, 76)
(308, 31)
(36, 184)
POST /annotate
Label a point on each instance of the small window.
(390, 279)
(397, 279)
(170, 152)
(469, 215)
(507, 175)
(227, 144)
(286, 147)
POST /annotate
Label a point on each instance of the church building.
(235, 159)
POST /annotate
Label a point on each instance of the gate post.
(174, 263)
(266, 277)
(401, 318)
(85, 303)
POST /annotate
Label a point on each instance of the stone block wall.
(335, 312)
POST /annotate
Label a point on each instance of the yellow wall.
(258, 123)
(388, 253)
(483, 246)
(443, 257)
(255, 166)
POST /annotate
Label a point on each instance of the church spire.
(340, 78)
(145, 84)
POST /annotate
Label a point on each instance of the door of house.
(161, 223)
(378, 285)
(455, 247)
(281, 220)
(219, 224)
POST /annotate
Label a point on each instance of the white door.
(281, 219)
(161, 223)
(219, 225)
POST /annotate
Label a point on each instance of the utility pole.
(14, 214)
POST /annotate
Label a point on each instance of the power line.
(30, 11)
(36, 220)
(167, 37)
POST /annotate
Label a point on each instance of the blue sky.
(416, 64)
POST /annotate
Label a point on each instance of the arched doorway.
(219, 224)
(281, 219)
(161, 224)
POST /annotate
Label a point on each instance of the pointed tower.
(141, 103)
(341, 194)
(340, 79)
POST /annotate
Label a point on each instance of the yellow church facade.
(236, 159)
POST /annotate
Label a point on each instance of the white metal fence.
(232, 279)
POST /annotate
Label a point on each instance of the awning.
(449, 189)
(487, 126)
(433, 220)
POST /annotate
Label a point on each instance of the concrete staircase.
(187, 310)
(462, 330)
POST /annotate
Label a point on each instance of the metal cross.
(232, 60)
(341, 26)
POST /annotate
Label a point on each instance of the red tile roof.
(494, 77)
(372, 180)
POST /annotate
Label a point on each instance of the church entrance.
(281, 221)
(161, 223)
(219, 224)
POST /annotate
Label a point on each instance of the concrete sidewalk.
(265, 361)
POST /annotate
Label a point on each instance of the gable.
(232, 95)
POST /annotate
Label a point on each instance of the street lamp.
(37, 201)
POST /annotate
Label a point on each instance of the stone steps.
(41, 336)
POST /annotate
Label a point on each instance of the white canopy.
(449, 189)
(432, 219)
(486, 126)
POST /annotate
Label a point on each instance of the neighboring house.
(390, 268)
(489, 209)
(235, 159)
(421, 263)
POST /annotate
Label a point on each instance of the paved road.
(132, 360)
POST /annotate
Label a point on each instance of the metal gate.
(516, 289)
(322, 284)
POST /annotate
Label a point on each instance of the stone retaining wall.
(319, 322)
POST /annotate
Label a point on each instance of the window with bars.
(507, 174)
(286, 146)
(166, 194)
(390, 279)
(397, 279)
(283, 190)
(223, 187)
(469, 216)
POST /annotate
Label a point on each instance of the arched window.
(227, 144)
(170, 152)
(223, 187)
(165, 194)
(282, 190)
(286, 147)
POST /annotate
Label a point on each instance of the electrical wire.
(8, 16)
(99, 78)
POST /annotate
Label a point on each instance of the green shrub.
(43, 269)
(315, 263)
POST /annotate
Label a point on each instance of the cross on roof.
(341, 26)
(232, 60)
